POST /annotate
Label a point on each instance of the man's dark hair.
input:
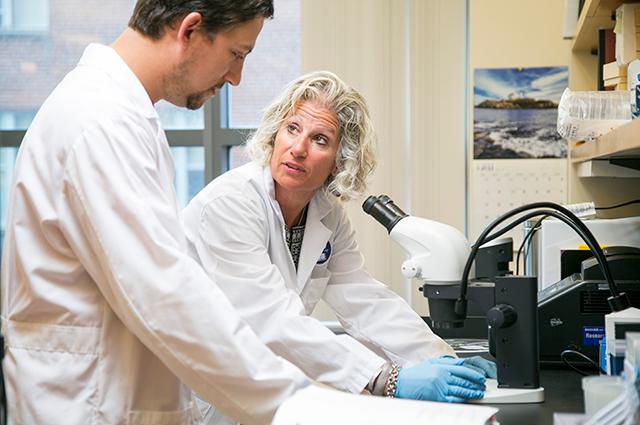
(151, 16)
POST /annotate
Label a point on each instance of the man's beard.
(177, 85)
(195, 101)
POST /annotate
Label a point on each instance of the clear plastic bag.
(585, 115)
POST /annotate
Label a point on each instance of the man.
(107, 320)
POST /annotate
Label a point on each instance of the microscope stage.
(495, 395)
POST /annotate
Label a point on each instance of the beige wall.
(511, 34)
(407, 59)
(516, 33)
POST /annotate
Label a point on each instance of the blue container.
(603, 354)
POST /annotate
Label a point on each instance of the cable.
(624, 204)
(525, 218)
(465, 275)
(563, 357)
(566, 216)
(545, 213)
(617, 301)
(527, 239)
(529, 236)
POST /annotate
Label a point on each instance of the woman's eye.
(292, 128)
(321, 140)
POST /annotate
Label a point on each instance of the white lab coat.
(107, 319)
(236, 230)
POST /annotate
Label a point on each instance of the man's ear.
(188, 25)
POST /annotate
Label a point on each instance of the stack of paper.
(316, 405)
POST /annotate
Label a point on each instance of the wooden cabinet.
(621, 144)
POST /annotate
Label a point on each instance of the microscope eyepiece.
(383, 210)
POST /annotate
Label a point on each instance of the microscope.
(441, 257)
(437, 255)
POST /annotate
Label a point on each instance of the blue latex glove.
(443, 379)
(481, 365)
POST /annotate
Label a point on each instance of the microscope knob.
(410, 268)
(501, 316)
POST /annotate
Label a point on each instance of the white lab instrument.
(625, 408)
(616, 324)
(600, 391)
(555, 236)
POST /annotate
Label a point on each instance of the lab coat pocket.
(189, 416)
(51, 369)
(312, 292)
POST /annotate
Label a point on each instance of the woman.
(275, 237)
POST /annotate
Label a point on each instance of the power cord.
(618, 301)
(529, 236)
(624, 204)
(565, 353)
(527, 240)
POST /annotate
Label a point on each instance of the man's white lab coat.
(107, 319)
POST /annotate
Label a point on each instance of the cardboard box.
(613, 70)
(625, 31)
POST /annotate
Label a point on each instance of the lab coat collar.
(316, 233)
(107, 59)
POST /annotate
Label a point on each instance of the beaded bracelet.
(392, 381)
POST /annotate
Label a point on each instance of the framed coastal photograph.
(515, 112)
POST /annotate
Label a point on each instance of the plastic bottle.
(585, 115)
(633, 75)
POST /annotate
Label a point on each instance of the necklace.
(302, 216)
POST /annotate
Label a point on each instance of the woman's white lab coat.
(107, 319)
(236, 230)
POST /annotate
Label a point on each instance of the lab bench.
(562, 393)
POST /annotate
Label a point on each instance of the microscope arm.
(437, 251)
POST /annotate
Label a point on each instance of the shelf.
(603, 168)
(620, 142)
(595, 14)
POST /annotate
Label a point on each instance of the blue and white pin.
(326, 253)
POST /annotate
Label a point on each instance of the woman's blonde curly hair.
(356, 156)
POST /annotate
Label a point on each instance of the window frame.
(219, 135)
(216, 137)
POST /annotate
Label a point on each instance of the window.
(189, 179)
(237, 156)
(201, 141)
(24, 15)
(274, 62)
(174, 118)
(7, 158)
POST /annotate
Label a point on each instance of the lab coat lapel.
(316, 236)
(280, 254)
